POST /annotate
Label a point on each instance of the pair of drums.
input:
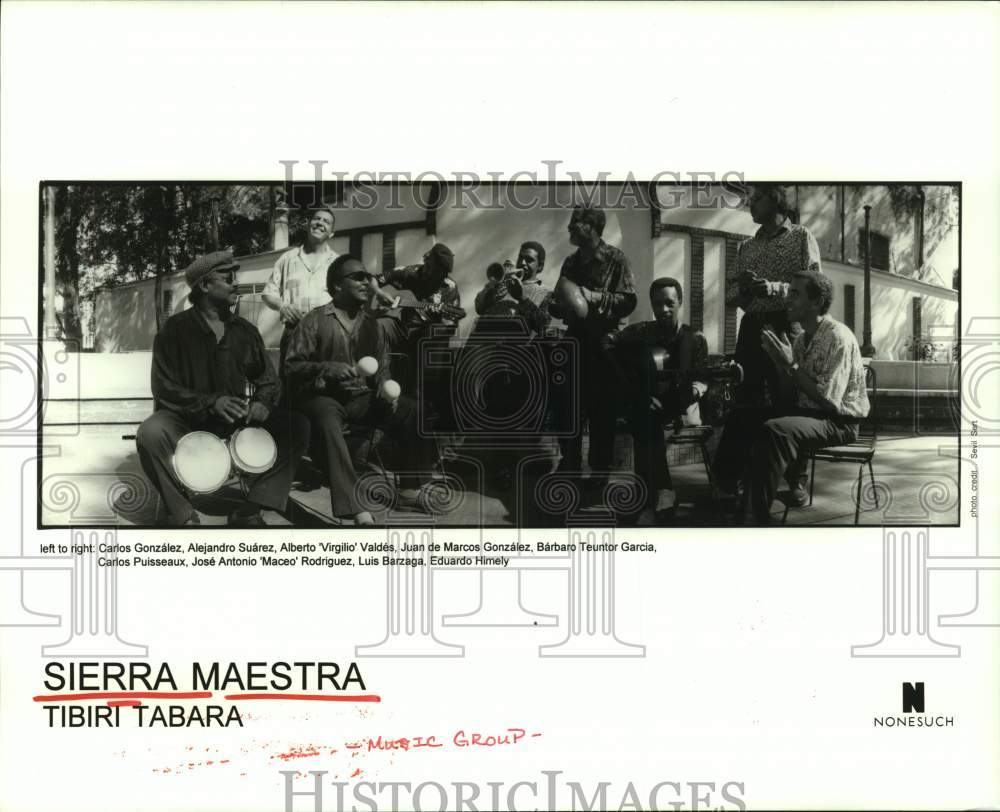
(204, 462)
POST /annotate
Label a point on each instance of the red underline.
(311, 697)
(124, 703)
(124, 695)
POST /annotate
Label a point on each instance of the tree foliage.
(111, 234)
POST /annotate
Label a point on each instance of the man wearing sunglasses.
(328, 388)
(206, 361)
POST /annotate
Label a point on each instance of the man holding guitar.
(323, 371)
(594, 295)
(662, 359)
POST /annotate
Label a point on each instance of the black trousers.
(595, 397)
(649, 449)
(331, 419)
(781, 441)
(157, 438)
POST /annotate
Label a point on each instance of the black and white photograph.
(488, 354)
(499, 406)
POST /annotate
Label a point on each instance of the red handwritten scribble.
(310, 697)
(124, 695)
(124, 703)
(356, 773)
(298, 752)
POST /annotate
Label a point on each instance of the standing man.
(765, 265)
(322, 359)
(660, 398)
(594, 295)
(298, 282)
(203, 360)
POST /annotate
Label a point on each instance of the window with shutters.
(880, 249)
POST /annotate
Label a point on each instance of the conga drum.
(201, 462)
(253, 450)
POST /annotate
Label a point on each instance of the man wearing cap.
(298, 282)
(322, 370)
(431, 280)
(431, 283)
(205, 359)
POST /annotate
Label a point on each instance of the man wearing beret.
(205, 360)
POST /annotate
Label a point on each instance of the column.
(905, 606)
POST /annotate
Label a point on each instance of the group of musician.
(801, 378)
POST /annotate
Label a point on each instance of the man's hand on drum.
(290, 313)
(258, 413)
(230, 408)
(338, 371)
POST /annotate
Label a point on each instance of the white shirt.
(834, 361)
(299, 278)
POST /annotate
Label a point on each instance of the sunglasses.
(360, 276)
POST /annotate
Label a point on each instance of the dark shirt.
(321, 336)
(687, 351)
(608, 273)
(192, 369)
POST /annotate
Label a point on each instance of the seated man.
(203, 360)
(660, 393)
(326, 386)
(824, 370)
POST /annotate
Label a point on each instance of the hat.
(201, 267)
(443, 254)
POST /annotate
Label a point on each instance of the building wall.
(696, 237)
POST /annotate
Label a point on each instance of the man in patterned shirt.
(824, 371)
(600, 274)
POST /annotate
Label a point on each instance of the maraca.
(389, 391)
(366, 367)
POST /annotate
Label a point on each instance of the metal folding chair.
(860, 452)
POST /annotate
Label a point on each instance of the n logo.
(913, 697)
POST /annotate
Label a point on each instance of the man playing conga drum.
(204, 361)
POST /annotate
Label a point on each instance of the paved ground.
(95, 478)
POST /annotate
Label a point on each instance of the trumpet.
(500, 272)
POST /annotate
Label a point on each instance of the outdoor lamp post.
(867, 349)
